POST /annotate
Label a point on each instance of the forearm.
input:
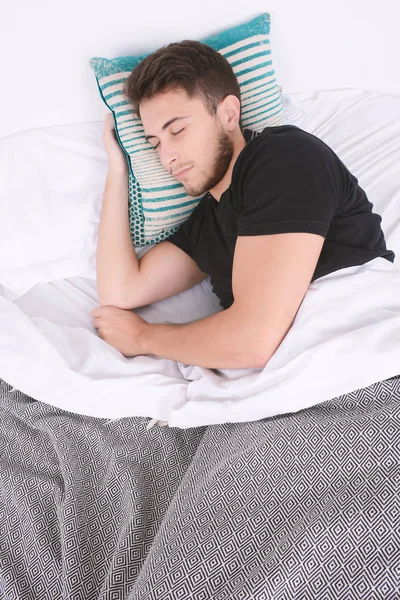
(116, 258)
(220, 341)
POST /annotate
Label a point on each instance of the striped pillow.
(158, 202)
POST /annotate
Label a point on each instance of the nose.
(168, 156)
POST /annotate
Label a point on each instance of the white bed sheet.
(346, 334)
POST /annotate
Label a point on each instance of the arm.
(122, 280)
(116, 260)
(221, 341)
(271, 274)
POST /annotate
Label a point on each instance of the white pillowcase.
(51, 186)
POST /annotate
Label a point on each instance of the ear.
(229, 112)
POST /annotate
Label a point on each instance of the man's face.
(188, 137)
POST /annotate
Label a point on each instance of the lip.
(181, 172)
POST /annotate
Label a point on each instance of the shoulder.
(283, 148)
(286, 139)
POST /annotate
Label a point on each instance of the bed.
(149, 479)
(144, 478)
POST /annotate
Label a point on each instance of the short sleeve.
(181, 239)
(185, 237)
(290, 183)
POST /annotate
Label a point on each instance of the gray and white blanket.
(298, 506)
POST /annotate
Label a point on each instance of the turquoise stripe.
(266, 114)
(134, 141)
(276, 93)
(170, 197)
(257, 87)
(110, 83)
(245, 47)
(109, 98)
(178, 215)
(151, 169)
(169, 223)
(117, 93)
(252, 57)
(165, 208)
(135, 126)
(157, 173)
(256, 68)
(263, 120)
(172, 186)
(263, 76)
(117, 104)
(127, 127)
(136, 151)
(275, 101)
(137, 137)
(122, 113)
(264, 91)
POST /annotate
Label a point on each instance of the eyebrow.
(167, 124)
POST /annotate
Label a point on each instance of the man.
(279, 210)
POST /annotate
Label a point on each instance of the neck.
(222, 186)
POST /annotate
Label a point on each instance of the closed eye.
(176, 133)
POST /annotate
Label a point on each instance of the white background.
(46, 45)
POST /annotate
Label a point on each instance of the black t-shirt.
(284, 180)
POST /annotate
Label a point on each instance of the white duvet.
(346, 334)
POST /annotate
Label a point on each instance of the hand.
(116, 157)
(121, 328)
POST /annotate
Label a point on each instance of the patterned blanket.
(298, 506)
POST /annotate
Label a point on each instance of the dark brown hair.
(189, 65)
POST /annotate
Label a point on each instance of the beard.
(222, 160)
